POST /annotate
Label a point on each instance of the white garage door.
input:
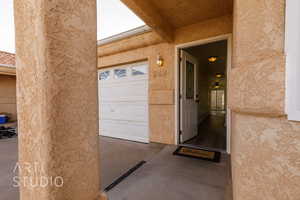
(123, 102)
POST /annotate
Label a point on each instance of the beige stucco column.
(265, 145)
(57, 99)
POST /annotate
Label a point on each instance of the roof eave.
(126, 34)
(7, 70)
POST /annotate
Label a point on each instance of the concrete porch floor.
(163, 177)
(118, 156)
(168, 177)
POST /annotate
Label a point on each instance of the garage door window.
(119, 73)
(139, 70)
(104, 75)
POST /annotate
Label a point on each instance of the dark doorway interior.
(212, 90)
(212, 132)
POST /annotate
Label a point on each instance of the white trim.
(227, 37)
(8, 66)
(292, 49)
(228, 68)
(126, 34)
(7, 70)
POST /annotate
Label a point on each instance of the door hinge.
(180, 133)
(180, 136)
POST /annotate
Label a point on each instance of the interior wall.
(162, 79)
(203, 90)
(8, 95)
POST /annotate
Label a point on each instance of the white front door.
(123, 102)
(188, 97)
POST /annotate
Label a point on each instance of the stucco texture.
(57, 98)
(161, 79)
(257, 75)
(265, 145)
(266, 158)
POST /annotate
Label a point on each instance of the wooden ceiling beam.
(151, 16)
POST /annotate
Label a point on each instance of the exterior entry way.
(202, 88)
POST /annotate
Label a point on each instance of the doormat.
(213, 156)
(124, 176)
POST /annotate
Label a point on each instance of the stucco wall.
(265, 158)
(57, 99)
(8, 95)
(161, 79)
(265, 145)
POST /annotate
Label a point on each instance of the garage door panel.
(124, 130)
(127, 79)
(137, 111)
(124, 92)
(123, 102)
(121, 97)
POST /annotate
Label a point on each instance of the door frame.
(178, 47)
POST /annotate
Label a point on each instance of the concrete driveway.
(8, 160)
(163, 177)
(117, 156)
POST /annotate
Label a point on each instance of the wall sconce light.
(160, 61)
(212, 59)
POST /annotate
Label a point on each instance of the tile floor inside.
(211, 133)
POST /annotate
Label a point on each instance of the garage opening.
(123, 102)
(202, 99)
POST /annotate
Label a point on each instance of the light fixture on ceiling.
(160, 61)
(219, 75)
(212, 59)
(217, 85)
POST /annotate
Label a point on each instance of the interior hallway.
(211, 132)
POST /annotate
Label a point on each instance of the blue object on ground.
(3, 119)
